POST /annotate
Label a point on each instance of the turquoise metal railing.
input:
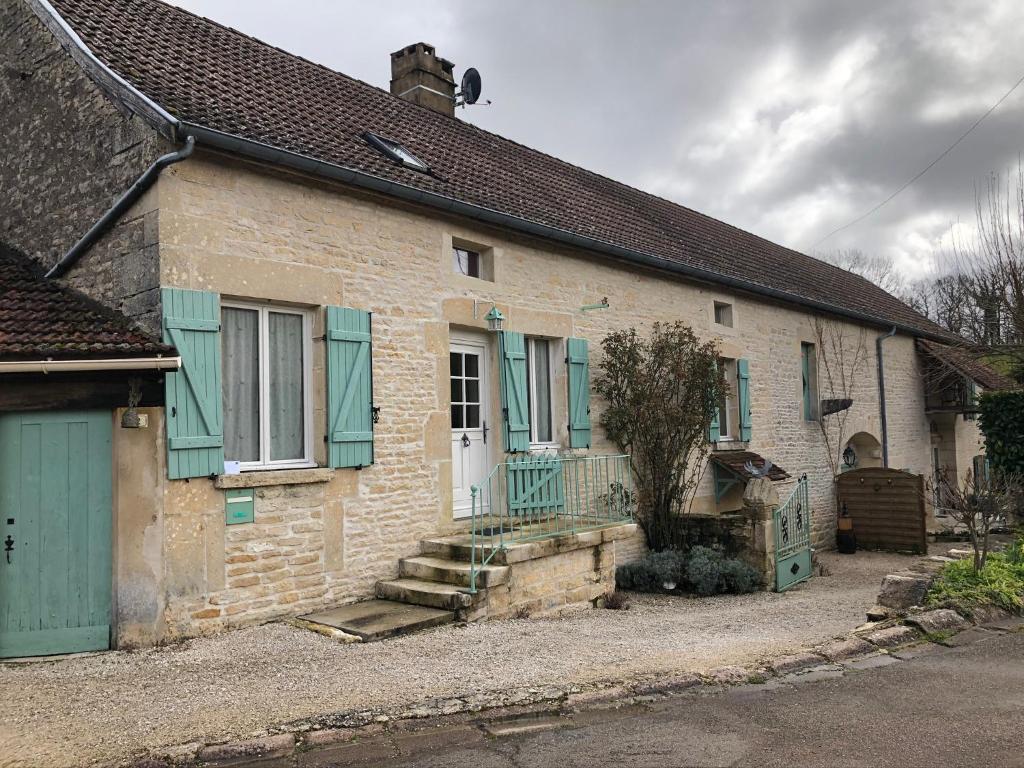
(529, 498)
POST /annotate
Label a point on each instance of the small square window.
(723, 314)
(466, 262)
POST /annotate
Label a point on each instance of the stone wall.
(69, 152)
(632, 548)
(253, 233)
(728, 532)
(547, 577)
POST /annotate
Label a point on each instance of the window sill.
(730, 445)
(275, 477)
(544, 448)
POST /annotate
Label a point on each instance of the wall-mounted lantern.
(494, 319)
(849, 457)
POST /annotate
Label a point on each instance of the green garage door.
(55, 522)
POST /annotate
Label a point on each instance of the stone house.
(327, 263)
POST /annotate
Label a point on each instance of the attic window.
(723, 314)
(396, 152)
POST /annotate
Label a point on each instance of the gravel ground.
(105, 706)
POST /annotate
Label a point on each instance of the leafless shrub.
(616, 601)
(979, 503)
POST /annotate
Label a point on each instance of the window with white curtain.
(266, 362)
(538, 391)
(728, 402)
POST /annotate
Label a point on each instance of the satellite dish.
(470, 86)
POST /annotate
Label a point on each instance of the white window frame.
(531, 383)
(263, 332)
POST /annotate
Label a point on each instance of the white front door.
(470, 431)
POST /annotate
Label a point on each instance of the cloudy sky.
(788, 118)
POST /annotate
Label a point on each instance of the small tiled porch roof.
(736, 463)
(963, 361)
(43, 320)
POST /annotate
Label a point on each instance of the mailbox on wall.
(239, 506)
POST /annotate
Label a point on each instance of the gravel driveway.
(77, 710)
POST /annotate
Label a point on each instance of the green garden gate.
(793, 538)
(55, 522)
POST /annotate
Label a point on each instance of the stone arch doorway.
(864, 450)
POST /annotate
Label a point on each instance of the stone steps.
(456, 572)
(433, 594)
(449, 548)
(379, 619)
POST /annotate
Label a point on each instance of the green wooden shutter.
(192, 395)
(514, 406)
(715, 428)
(805, 363)
(578, 364)
(349, 388)
(743, 395)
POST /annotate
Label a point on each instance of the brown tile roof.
(736, 462)
(967, 363)
(215, 77)
(40, 319)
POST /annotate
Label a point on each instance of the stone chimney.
(419, 76)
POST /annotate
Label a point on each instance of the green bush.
(653, 572)
(1002, 422)
(740, 577)
(709, 572)
(701, 570)
(1000, 583)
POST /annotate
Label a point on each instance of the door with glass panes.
(469, 414)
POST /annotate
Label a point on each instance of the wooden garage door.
(55, 520)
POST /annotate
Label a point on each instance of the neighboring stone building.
(327, 258)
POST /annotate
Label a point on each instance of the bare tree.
(990, 267)
(948, 301)
(880, 270)
(843, 355)
(979, 503)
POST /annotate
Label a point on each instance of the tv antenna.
(470, 86)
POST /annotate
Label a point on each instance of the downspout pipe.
(118, 209)
(881, 394)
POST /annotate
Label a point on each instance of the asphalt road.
(960, 706)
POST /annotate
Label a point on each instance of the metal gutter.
(881, 394)
(120, 207)
(306, 164)
(113, 364)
